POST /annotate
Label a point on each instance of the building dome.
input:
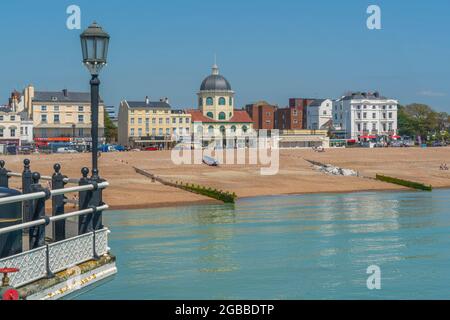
(215, 82)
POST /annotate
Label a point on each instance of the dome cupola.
(215, 82)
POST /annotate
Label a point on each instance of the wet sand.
(130, 190)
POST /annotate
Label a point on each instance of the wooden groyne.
(405, 183)
(226, 197)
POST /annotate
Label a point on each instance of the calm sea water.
(288, 247)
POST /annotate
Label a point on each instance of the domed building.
(216, 109)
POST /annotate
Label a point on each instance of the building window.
(56, 118)
(359, 115)
(154, 131)
(167, 120)
(140, 132)
(43, 118)
(244, 129)
(374, 126)
(390, 115)
(160, 120)
(187, 130)
(211, 130)
(295, 113)
(167, 131)
(200, 130)
(13, 118)
(80, 108)
(174, 120)
(231, 101)
(12, 132)
(187, 120)
(180, 120)
(139, 120)
(160, 131)
(153, 120)
(1, 133)
(374, 115)
(233, 129)
(80, 118)
(390, 126)
(365, 115)
(209, 101)
(325, 112)
(359, 127)
(174, 130)
(1, 118)
(210, 115)
(365, 126)
(56, 108)
(222, 130)
(43, 108)
(222, 101)
(131, 120)
(222, 116)
(132, 132)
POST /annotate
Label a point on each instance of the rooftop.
(149, 104)
(62, 96)
(240, 116)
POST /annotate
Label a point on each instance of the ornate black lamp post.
(94, 45)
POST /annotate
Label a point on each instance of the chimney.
(147, 100)
(65, 92)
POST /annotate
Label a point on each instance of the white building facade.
(362, 115)
(319, 114)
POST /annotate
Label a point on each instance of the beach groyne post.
(27, 181)
(59, 227)
(37, 233)
(4, 178)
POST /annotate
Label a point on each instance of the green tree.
(110, 129)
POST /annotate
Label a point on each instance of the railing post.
(37, 233)
(3, 175)
(84, 221)
(59, 227)
(96, 201)
(27, 181)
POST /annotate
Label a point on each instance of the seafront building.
(59, 114)
(151, 123)
(365, 115)
(262, 114)
(216, 114)
(15, 126)
(319, 114)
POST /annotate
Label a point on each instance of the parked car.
(397, 144)
(66, 150)
(150, 149)
(439, 144)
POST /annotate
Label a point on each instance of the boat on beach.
(210, 161)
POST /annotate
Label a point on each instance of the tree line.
(420, 120)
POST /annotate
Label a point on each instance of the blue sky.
(269, 50)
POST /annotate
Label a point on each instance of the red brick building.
(262, 114)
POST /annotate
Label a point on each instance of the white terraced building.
(362, 115)
(319, 114)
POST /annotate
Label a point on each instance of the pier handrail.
(46, 178)
(48, 220)
(55, 192)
